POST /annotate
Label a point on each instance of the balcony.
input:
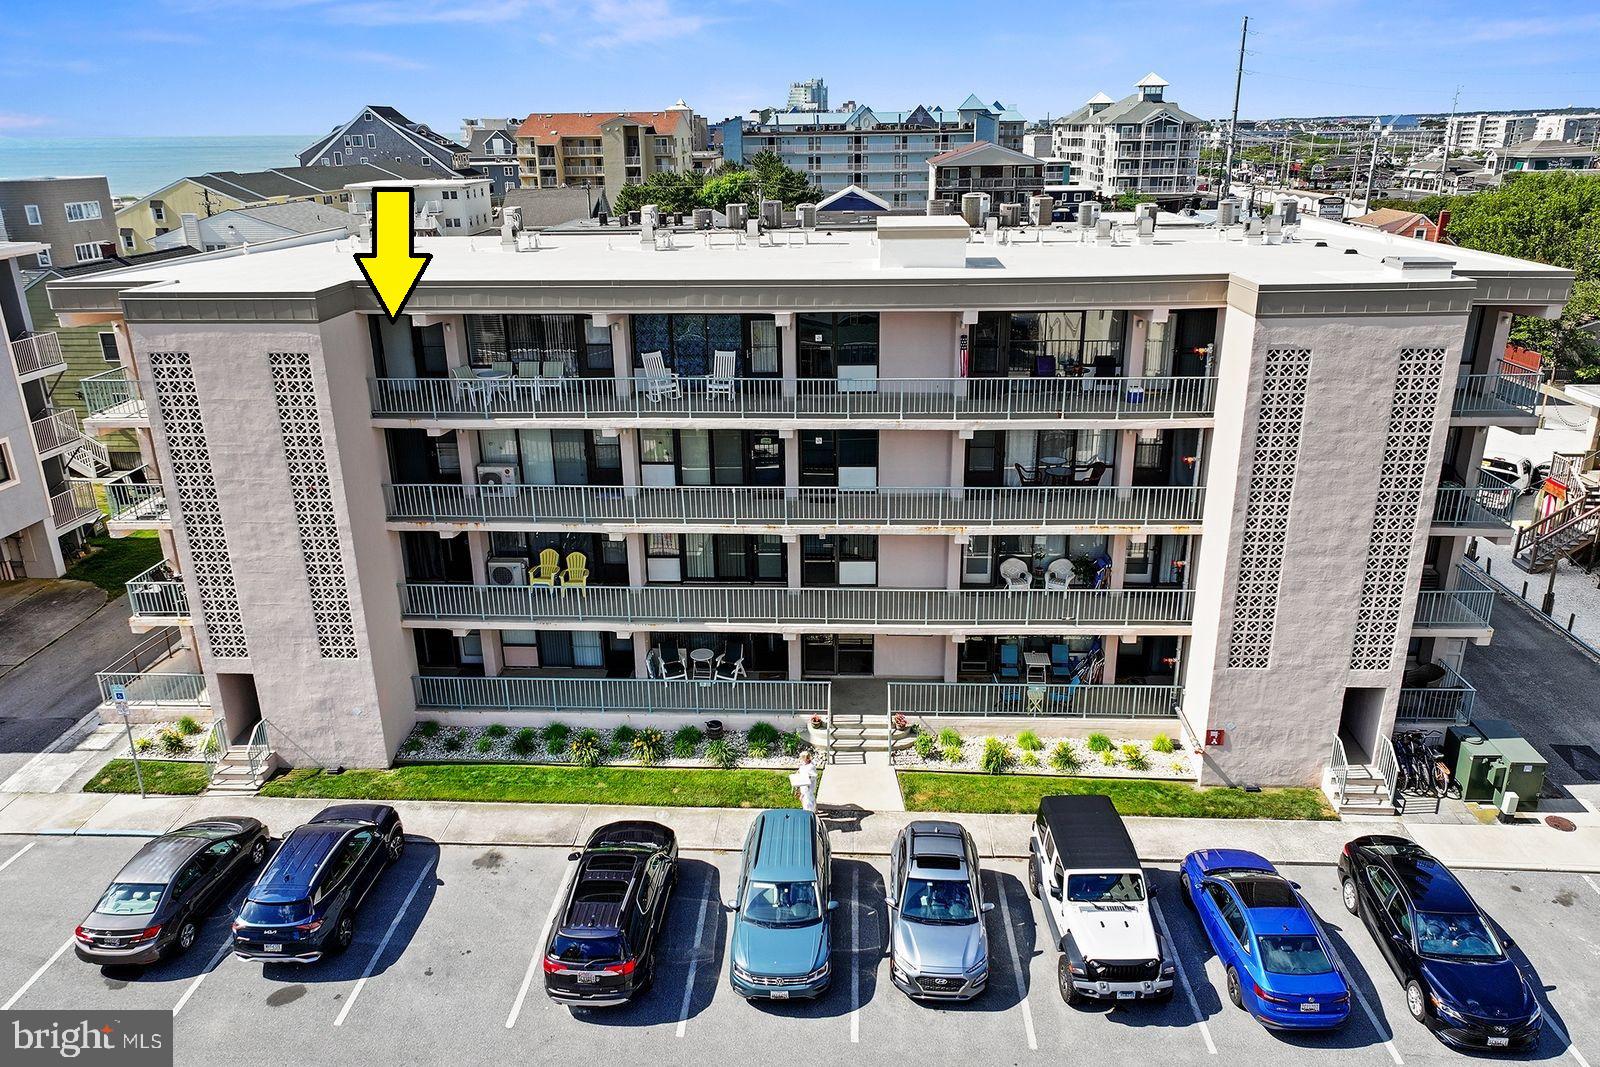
(922, 402)
(159, 677)
(113, 401)
(1507, 397)
(1460, 612)
(157, 597)
(1450, 699)
(1483, 510)
(711, 509)
(138, 505)
(908, 611)
(982, 699)
(568, 696)
(37, 355)
(56, 432)
(73, 507)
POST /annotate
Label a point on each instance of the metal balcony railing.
(112, 395)
(155, 594)
(37, 354)
(670, 506)
(146, 678)
(1511, 390)
(56, 431)
(620, 695)
(1466, 607)
(1452, 700)
(1489, 503)
(777, 606)
(74, 505)
(983, 699)
(138, 502)
(805, 399)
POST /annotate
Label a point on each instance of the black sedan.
(1460, 980)
(158, 901)
(602, 951)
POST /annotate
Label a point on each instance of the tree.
(730, 185)
(674, 192)
(1129, 201)
(779, 182)
(679, 193)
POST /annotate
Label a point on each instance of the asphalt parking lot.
(444, 969)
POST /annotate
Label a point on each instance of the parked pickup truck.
(1083, 867)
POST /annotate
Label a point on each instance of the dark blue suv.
(304, 904)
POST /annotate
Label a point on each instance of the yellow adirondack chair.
(577, 572)
(549, 569)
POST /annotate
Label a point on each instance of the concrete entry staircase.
(234, 773)
(851, 735)
(1366, 792)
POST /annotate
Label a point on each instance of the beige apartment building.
(1213, 480)
(1143, 143)
(606, 150)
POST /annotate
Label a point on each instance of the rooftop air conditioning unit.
(737, 214)
(1088, 214)
(806, 216)
(506, 571)
(1010, 215)
(497, 479)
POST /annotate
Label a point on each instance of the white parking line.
(855, 958)
(372, 963)
(538, 949)
(25, 985)
(1562, 1034)
(14, 857)
(694, 964)
(216, 961)
(1016, 963)
(1183, 979)
(1361, 999)
(1592, 883)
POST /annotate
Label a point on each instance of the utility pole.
(1444, 156)
(1372, 170)
(1233, 124)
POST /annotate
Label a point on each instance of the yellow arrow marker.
(393, 267)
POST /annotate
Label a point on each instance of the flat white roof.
(1183, 247)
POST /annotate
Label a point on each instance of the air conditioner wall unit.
(506, 571)
(497, 477)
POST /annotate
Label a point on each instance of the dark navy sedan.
(1279, 968)
(1460, 981)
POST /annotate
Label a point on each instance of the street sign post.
(119, 699)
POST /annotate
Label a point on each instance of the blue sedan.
(1279, 967)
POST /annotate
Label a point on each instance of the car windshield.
(1457, 936)
(130, 898)
(257, 913)
(586, 949)
(1105, 888)
(1293, 954)
(941, 901)
(782, 903)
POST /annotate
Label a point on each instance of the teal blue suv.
(782, 929)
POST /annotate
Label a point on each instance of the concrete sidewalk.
(1530, 846)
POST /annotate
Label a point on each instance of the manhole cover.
(1557, 822)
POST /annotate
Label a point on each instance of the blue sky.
(152, 67)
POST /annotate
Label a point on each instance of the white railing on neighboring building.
(155, 594)
(620, 695)
(74, 505)
(56, 431)
(111, 394)
(36, 354)
(138, 502)
(984, 699)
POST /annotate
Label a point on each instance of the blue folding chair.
(1060, 662)
(1010, 663)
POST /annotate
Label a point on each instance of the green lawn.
(1020, 794)
(671, 787)
(160, 776)
(113, 560)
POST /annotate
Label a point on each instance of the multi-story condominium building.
(1218, 481)
(45, 508)
(1480, 132)
(444, 207)
(140, 222)
(1139, 144)
(1574, 129)
(1005, 176)
(379, 135)
(72, 217)
(606, 150)
(809, 95)
(492, 152)
(883, 152)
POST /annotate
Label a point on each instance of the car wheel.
(1188, 893)
(187, 933)
(1417, 1001)
(397, 845)
(1347, 893)
(1033, 872)
(1233, 988)
(649, 978)
(258, 852)
(1069, 993)
(344, 934)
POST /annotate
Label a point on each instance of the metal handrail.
(56, 430)
(983, 699)
(779, 606)
(1510, 387)
(1469, 604)
(1490, 502)
(1453, 700)
(644, 398)
(1339, 772)
(674, 506)
(138, 501)
(1388, 765)
(73, 504)
(162, 597)
(112, 389)
(37, 353)
(258, 749)
(621, 695)
(215, 746)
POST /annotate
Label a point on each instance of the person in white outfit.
(804, 781)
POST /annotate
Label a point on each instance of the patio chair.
(669, 670)
(1092, 473)
(735, 674)
(527, 370)
(1061, 698)
(503, 368)
(1026, 475)
(548, 572)
(1058, 576)
(467, 382)
(553, 368)
(577, 572)
(1010, 663)
(1016, 574)
(659, 382)
(724, 365)
(1060, 661)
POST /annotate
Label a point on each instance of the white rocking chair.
(659, 382)
(724, 365)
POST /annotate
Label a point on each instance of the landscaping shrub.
(586, 749)
(188, 726)
(1099, 742)
(428, 727)
(496, 730)
(172, 742)
(948, 737)
(924, 746)
(412, 746)
(792, 744)
(455, 740)
(997, 756)
(1029, 759)
(1108, 756)
(144, 744)
(1065, 758)
(524, 741)
(757, 749)
(556, 735)
(622, 740)
(1135, 757)
(951, 753)
(686, 741)
(1029, 741)
(484, 745)
(1163, 744)
(764, 733)
(650, 746)
(211, 746)
(723, 753)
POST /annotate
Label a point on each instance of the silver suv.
(938, 948)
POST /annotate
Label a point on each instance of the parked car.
(603, 950)
(938, 947)
(1082, 865)
(157, 903)
(782, 934)
(1523, 475)
(1279, 966)
(304, 905)
(1459, 977)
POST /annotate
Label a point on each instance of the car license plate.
(1127, 994)
(1310, 1005)
(1499, 1042)
(780, 994)
(271, 948)
(588, 979)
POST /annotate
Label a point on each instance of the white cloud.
(11, 120)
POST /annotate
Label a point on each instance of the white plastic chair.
(724, 365)
(1058, 576)
(733, 675)
(1016, 574)
(659, 382)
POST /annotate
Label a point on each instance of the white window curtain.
(587, 649)
(538, 459)
(1019, 449)
(694, 448)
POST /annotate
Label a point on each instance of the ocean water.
(138, 165)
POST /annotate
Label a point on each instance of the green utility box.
(1489, 758)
